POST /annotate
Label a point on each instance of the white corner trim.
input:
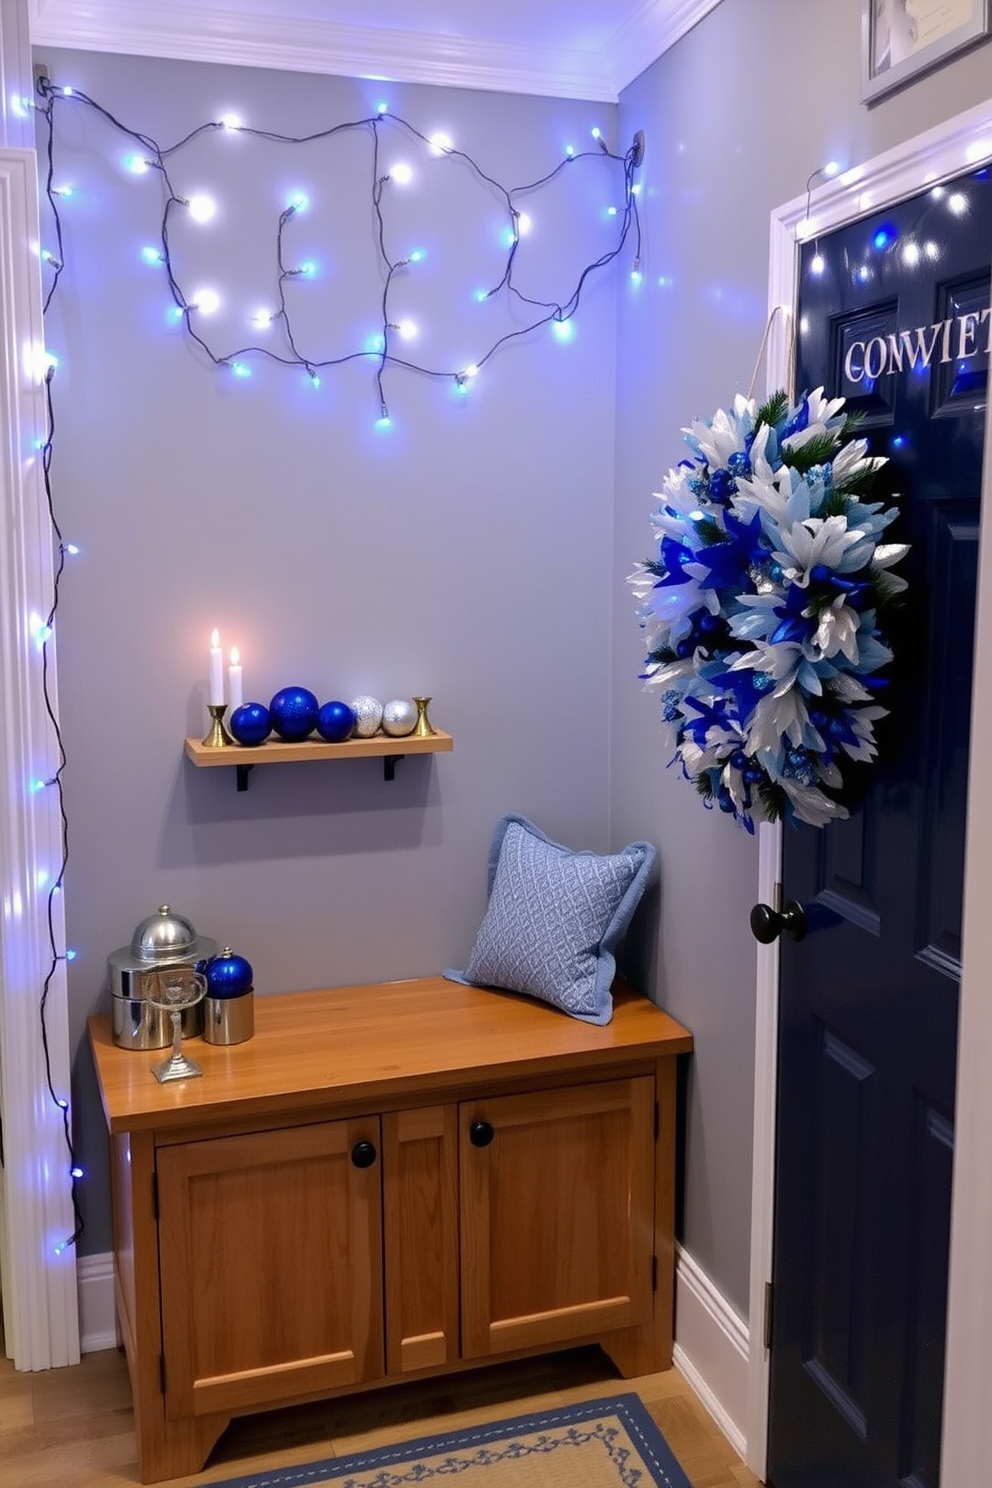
(711, 1348)
(97, 1315)
(226, 33)
(39, 1270)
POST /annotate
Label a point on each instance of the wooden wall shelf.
(276, 752)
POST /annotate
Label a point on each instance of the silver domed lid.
(164, 936)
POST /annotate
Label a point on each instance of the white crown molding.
(225, 34)
(648, 32)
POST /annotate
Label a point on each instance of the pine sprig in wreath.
(761, 608)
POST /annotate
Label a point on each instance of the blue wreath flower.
(760, 609)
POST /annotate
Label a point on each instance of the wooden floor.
(73, 1428)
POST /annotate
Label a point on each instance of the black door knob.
(481, 1133)
(768, 924)
(363, 1154)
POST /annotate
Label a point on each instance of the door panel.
(897, 323)
(289, 1205)
(566, 1180)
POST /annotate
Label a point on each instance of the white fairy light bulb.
(231, 123)
(401, 173)
(441, 143)
(911, 255)
(407, 329)
(817, 264)
(207, 301)
(261, 319)
(201, 207)
(524, 224)
(958, 203)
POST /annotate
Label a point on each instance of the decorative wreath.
(760, 609)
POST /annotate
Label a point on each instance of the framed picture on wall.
(902, 38)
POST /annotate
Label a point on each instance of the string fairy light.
(64, 550)
(144, 155)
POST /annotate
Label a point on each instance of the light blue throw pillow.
(554, 919)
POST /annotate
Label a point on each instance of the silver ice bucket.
(164, 946)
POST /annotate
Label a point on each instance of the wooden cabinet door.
(557, 1215)
(271, 1264)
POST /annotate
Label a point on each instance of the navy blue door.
(894, 315)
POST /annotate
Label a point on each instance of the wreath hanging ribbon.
(761, 608)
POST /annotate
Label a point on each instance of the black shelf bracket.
(389, 763)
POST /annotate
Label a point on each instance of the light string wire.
(75, 1172)
(156, 157)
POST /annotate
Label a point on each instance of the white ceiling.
(586, 49)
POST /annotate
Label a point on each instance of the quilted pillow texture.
(554, 919)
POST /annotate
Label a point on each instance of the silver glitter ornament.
(398, 718)
(368, 715)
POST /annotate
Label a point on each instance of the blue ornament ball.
(294, 713)
(335, 722)
(228, 975)
(250, 724)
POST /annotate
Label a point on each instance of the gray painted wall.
(736, 116)
(480, 555)
(466, 555)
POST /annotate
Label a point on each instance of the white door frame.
(948, 150)
(40, 1303)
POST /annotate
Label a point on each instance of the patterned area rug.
(611, 1443)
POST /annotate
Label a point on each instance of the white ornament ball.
(399, 718)
(368, 716)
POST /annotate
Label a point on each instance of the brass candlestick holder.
(422, 729)
(217, 736)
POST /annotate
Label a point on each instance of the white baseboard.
(711, 1348)
(97, 1319)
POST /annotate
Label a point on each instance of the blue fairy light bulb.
(564, 330)
(136, 164)
(152, 255)
(241, 369)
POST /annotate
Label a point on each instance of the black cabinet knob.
(768, 924)
(363, 1154)
(481, 1133)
